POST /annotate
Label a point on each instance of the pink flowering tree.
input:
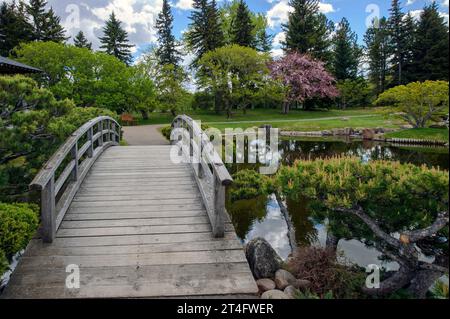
(303, 79)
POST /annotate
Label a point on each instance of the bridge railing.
(211, 175)
(61, 177)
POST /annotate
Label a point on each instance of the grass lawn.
(296, 120)
(436, 134)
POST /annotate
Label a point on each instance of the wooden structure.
(128, 119)
(8, 66)
(135, 224)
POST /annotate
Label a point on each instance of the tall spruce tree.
(409, 38)
(46, 24)
(205, 31)
(166, 51)
(242, 27)
(346, 52)
(81, 41)
(308, 30)
(431, 47)
(115, 40)
(377, 42)
(398, 45)
(14, 27)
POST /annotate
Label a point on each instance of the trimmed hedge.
(18, 222)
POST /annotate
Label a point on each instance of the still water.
(262, 217)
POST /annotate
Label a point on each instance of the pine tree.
(307, 30)
(431, 47)
(166, 52)
(14, 27)
(409, 39)
(205, 32)
(46, 24)
(264, 42)
(346, 52)
(80, 41)
(242, 27)
(377, 40)
(115, 40)
(397, 32)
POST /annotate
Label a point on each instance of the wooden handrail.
(57, 192)
(211, 175)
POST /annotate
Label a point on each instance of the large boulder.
(368, 134)
(275, 294)
(262, 258)
(284, 278)
(265, 284)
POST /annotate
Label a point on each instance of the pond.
(287, 223)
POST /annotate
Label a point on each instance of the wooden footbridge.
(131, 222)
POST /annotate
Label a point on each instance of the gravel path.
(144, 135)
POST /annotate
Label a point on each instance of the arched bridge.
(131, 222)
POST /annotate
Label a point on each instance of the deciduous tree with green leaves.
(419, 102)
(234, 73)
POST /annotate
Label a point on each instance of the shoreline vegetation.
(311, 123)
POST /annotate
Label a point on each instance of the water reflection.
(262, 217)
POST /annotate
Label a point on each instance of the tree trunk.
(173, 112)
(331, 242)
(144, 114)
(397, 281)
(422, 282)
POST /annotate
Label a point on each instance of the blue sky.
(138, 16)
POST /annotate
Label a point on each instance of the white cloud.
(410, 2)
(415, 14)
(184, 4)
(279, 13)
(278, 39)
(445, 3)
(277, 53)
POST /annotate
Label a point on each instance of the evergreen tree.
(14, 27)
(166, 52)
(46, 24)
(398, 46)
(205, 31)
(115, 40)
(377, 40)
(431, 47)
(216, 39)
(307, 30)
(409, 38)
(264, 42)
(346, 52)
(80, 41)
(242, 27)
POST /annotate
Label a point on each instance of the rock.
(284, 278)
(348, 131)
(338, 132)
(368, 134)
(379, 130)
(265, 284)
(262, 258)
(327, 133)
(379, 137)
(291, 291)
(406, 127)
(345, 119)
(274, 294)
(303, 284)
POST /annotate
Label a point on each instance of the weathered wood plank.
(134, 222)
(134, 230)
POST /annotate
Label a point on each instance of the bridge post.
(74, 153)
(48, 211)
(219, 208)
(100, 129)
(90, 135)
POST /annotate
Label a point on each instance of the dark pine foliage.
(346, 52)
(14, 27)
(80, 41)
(242, 27)
(46, 25)
(166, 52)
(431, 47)
(115, 40)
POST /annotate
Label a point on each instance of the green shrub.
(249, 184)
(18, 222)
(4, 265)
(165, 131)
